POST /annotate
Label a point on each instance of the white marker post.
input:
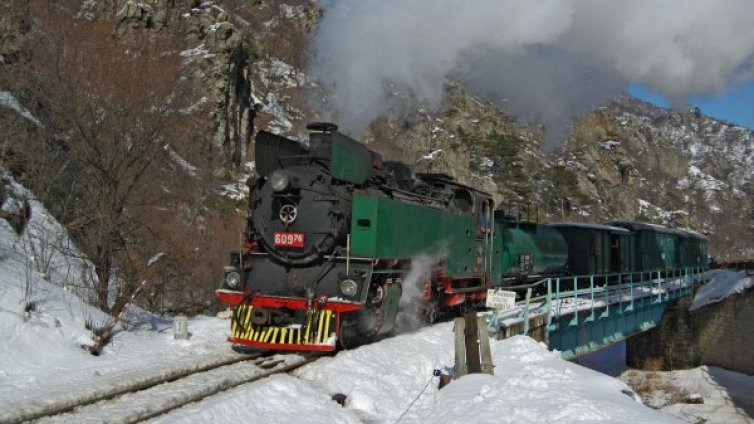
(180, 327)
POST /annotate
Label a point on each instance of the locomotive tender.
(333, 229)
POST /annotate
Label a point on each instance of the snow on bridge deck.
(605, 309)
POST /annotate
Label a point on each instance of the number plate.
(289, 239)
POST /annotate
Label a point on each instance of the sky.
(735, 104)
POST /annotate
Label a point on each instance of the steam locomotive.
(333, 229)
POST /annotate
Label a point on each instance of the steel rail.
(126, 408)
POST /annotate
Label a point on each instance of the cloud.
(545, 61)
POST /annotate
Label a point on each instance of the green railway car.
(692, 250)
(654, 247)
(597, 249)
(529, 248)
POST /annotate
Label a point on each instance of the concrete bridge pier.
(720, 334)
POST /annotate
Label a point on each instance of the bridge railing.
(598, 295)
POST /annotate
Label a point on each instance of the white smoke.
(411, 312)
(551, 59)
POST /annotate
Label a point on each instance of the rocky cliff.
(682, 169)
(628, 160)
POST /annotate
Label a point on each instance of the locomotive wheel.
(350, 336)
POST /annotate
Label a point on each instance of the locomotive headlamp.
(349, 287)
(233, 279)
(280, 180)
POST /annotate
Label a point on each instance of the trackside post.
(472, 346)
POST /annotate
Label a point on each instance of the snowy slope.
(41, 359)
(722, 283)
(48, 334)
(392, 381)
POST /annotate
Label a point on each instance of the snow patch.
(648, 209)
(609, 144)
(239, 189)
(722, 283)
(701, 181)
(191, 170)
(8, 101)
(197, 52)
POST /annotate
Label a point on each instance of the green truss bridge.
(578, 315)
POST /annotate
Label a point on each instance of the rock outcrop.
(14, 21)
(220, 62)
(14, 206)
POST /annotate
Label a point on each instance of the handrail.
(659, 286)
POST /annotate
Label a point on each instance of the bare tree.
(108, 107)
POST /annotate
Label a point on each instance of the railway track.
(142, 400)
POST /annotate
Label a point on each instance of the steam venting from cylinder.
(411, 314)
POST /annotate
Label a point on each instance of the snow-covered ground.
(392, 381)
(724, 397)
(42, 362)
(722, 283)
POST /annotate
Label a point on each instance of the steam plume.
(410, 315)
(551, 59)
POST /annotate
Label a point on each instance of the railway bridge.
(582, 314)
